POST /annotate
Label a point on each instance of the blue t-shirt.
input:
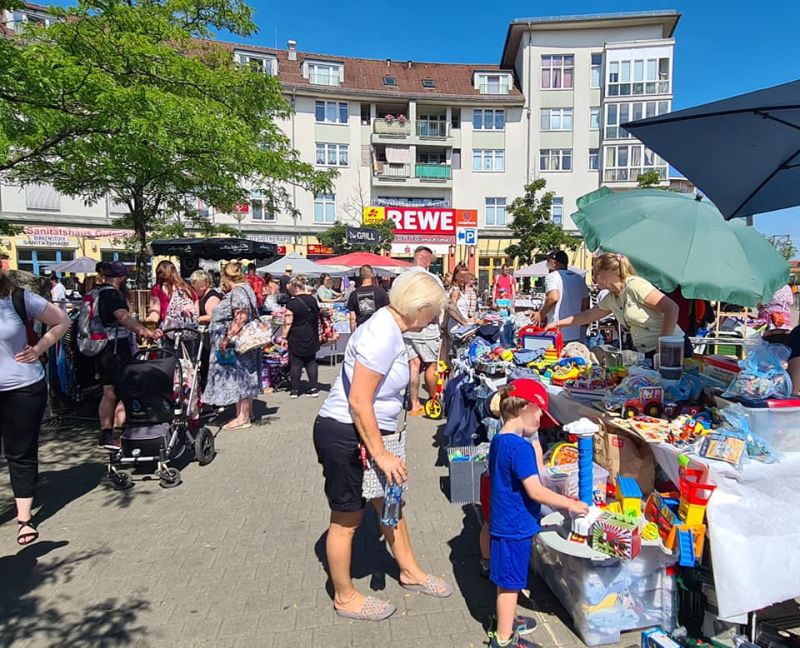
(13, 338)
(515, 516)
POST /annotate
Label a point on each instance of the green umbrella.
(675, 239)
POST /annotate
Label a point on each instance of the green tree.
(533, 225)
(132, 99)
(784, 245)
(336, 237)
(649, 179)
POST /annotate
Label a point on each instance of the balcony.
(631, 174)
(494, 88)
(433, 172)
(391, 171)
(433, 129)
(393, 128)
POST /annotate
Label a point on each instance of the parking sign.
(467, 235)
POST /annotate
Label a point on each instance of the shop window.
(37, 261)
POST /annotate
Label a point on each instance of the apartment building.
(427, 141)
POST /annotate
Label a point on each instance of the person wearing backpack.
(173, 302)
(104, 327)
(23, 390)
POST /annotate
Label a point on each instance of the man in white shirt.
(58, 294)
(566, 294)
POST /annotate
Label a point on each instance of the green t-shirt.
(643, 321)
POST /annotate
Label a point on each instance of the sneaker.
(294, 394)
(485, 570)
(515, 642)
(522, 625)
(314, 393)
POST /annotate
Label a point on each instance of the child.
(516, 499)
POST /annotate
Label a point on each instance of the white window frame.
(331, 107)
(269, 64)
(479, 119)
(639, 77)
(596, 72)
(323, 73)
(593, 152)
(617, 113)
(495, 209)
(258, 201)
(626, 162)
(557, 63)
(556, 158)
(560, 117)
(332, 152)
(594, 116)
(489, 160)
(484, 83)
(557, 210)
(326, 203)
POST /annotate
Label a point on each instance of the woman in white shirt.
(364, 404)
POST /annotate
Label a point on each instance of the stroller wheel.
(169, 477)
(121, 479)
(204, 449)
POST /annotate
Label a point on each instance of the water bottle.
(392, 505)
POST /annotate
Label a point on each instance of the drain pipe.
(528, 109)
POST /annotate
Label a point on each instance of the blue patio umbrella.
(743, 153)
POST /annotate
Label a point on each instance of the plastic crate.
(780, 426)
(567, 484)
(465, 474)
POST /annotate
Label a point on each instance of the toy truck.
(649, 402)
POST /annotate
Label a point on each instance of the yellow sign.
(373, 215)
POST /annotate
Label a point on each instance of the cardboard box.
(722, 368)
(621, 453)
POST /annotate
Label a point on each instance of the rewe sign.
(423, 220)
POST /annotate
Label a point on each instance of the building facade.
(426, 138)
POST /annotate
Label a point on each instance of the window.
(494, 83)
(488, 119)
(626, 162)
(594, 159)
(324, 208)
(258, 63)
(260, 206)
(389, 81)
(557, 70)
(594, 118)
(638, 77)
(428, 83)
(620, 113)
(597, 67)
(37, 261)
(331, 112)
(555, 160)
(333, 155)
(325, 74)
(431, 158)
(42, 197)
(488, 159)
(455, 118)
(495, 211)
(455, 159)
(556, 119)
(557, 210)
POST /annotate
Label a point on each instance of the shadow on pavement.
(465, 555)
(24, 616)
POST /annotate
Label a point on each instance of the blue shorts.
(510, 561)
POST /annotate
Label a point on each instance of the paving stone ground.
(235, 555)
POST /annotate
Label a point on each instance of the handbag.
(327, 333)
(373, 484)
(255, 334)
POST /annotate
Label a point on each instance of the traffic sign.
(467, 235)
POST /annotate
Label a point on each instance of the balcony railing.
(494, 88)
(321, 78)
(390, 171)
(438, 128)
(631, 174)
(393, 128)
(433, 171)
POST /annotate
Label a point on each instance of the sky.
(723, 47)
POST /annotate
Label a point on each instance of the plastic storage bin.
(567, 484)
(466, 469)
(780, 426)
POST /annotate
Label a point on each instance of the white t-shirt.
(572, 291)
(59, 296)
(378, 345)
(13, 338)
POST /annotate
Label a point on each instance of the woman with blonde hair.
(364, 405)
(232, 377)
(301, 332)
(637, 304)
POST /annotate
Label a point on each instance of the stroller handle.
(183, 329)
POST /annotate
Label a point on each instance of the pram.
(159, 389)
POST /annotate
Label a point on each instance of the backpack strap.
(18, 301)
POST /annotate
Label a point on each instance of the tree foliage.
(336, 237)
(649, 180)
(132, 99)
(533, 225)
(784, 245)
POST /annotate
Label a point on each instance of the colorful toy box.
(629, 495)
(658, 638)
(616, 536)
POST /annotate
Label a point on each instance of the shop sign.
(467, 235)
(423, 220)
(45, 240)
(319, 249)
(424, 239)
(242, 208)
(78, 232)
(373, 215)
(273, 238)
(356, 235)
(466, 218)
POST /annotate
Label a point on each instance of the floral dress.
(228, 384)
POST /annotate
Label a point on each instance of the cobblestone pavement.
(235, 555)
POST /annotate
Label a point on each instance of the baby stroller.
(162, 420)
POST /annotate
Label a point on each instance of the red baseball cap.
(534, 392)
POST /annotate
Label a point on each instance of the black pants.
(21, 412)
(296, 364)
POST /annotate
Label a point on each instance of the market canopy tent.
(743, 152)
(357, 259)
(300, 265)
(675, 239)
(214, 248)
(540, 270)
(81, 264)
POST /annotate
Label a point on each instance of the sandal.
(433, 586)
(417, 412)
(373, 609)
(24, 539)
(240, 426)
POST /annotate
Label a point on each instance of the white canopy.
(300, 265)
(540, 270)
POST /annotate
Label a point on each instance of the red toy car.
(650, 402)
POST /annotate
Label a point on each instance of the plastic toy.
(616, 536)
(650, 402)
(698, 537)
(568, 369)
(563, 453)
(650, 531)
(629, 495)
(535, 337)
(662, 510)
(686, 555)
(694, 494)
(433, 406)
(657, 638)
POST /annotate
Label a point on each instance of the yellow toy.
(629, 495)
(650, 531)
(433, 406)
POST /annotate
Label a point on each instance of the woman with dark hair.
(301, 332)
(23, 390)
(173, 302)
(270, 292)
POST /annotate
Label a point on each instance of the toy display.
(649, 401)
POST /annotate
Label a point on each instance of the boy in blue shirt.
(516, 499)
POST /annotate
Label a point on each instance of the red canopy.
(357, 259)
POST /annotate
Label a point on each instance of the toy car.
(649, 402)
(568, 369)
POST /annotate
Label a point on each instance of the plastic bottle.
(392, 505)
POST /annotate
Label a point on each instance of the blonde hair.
(510, 406)
(232, 274)
(299, 282)
(201, 275)
(616, 263)
(414, 290)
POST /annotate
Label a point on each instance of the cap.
(534, 392)
(117, 269)
(288, 267)
(560, 256)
